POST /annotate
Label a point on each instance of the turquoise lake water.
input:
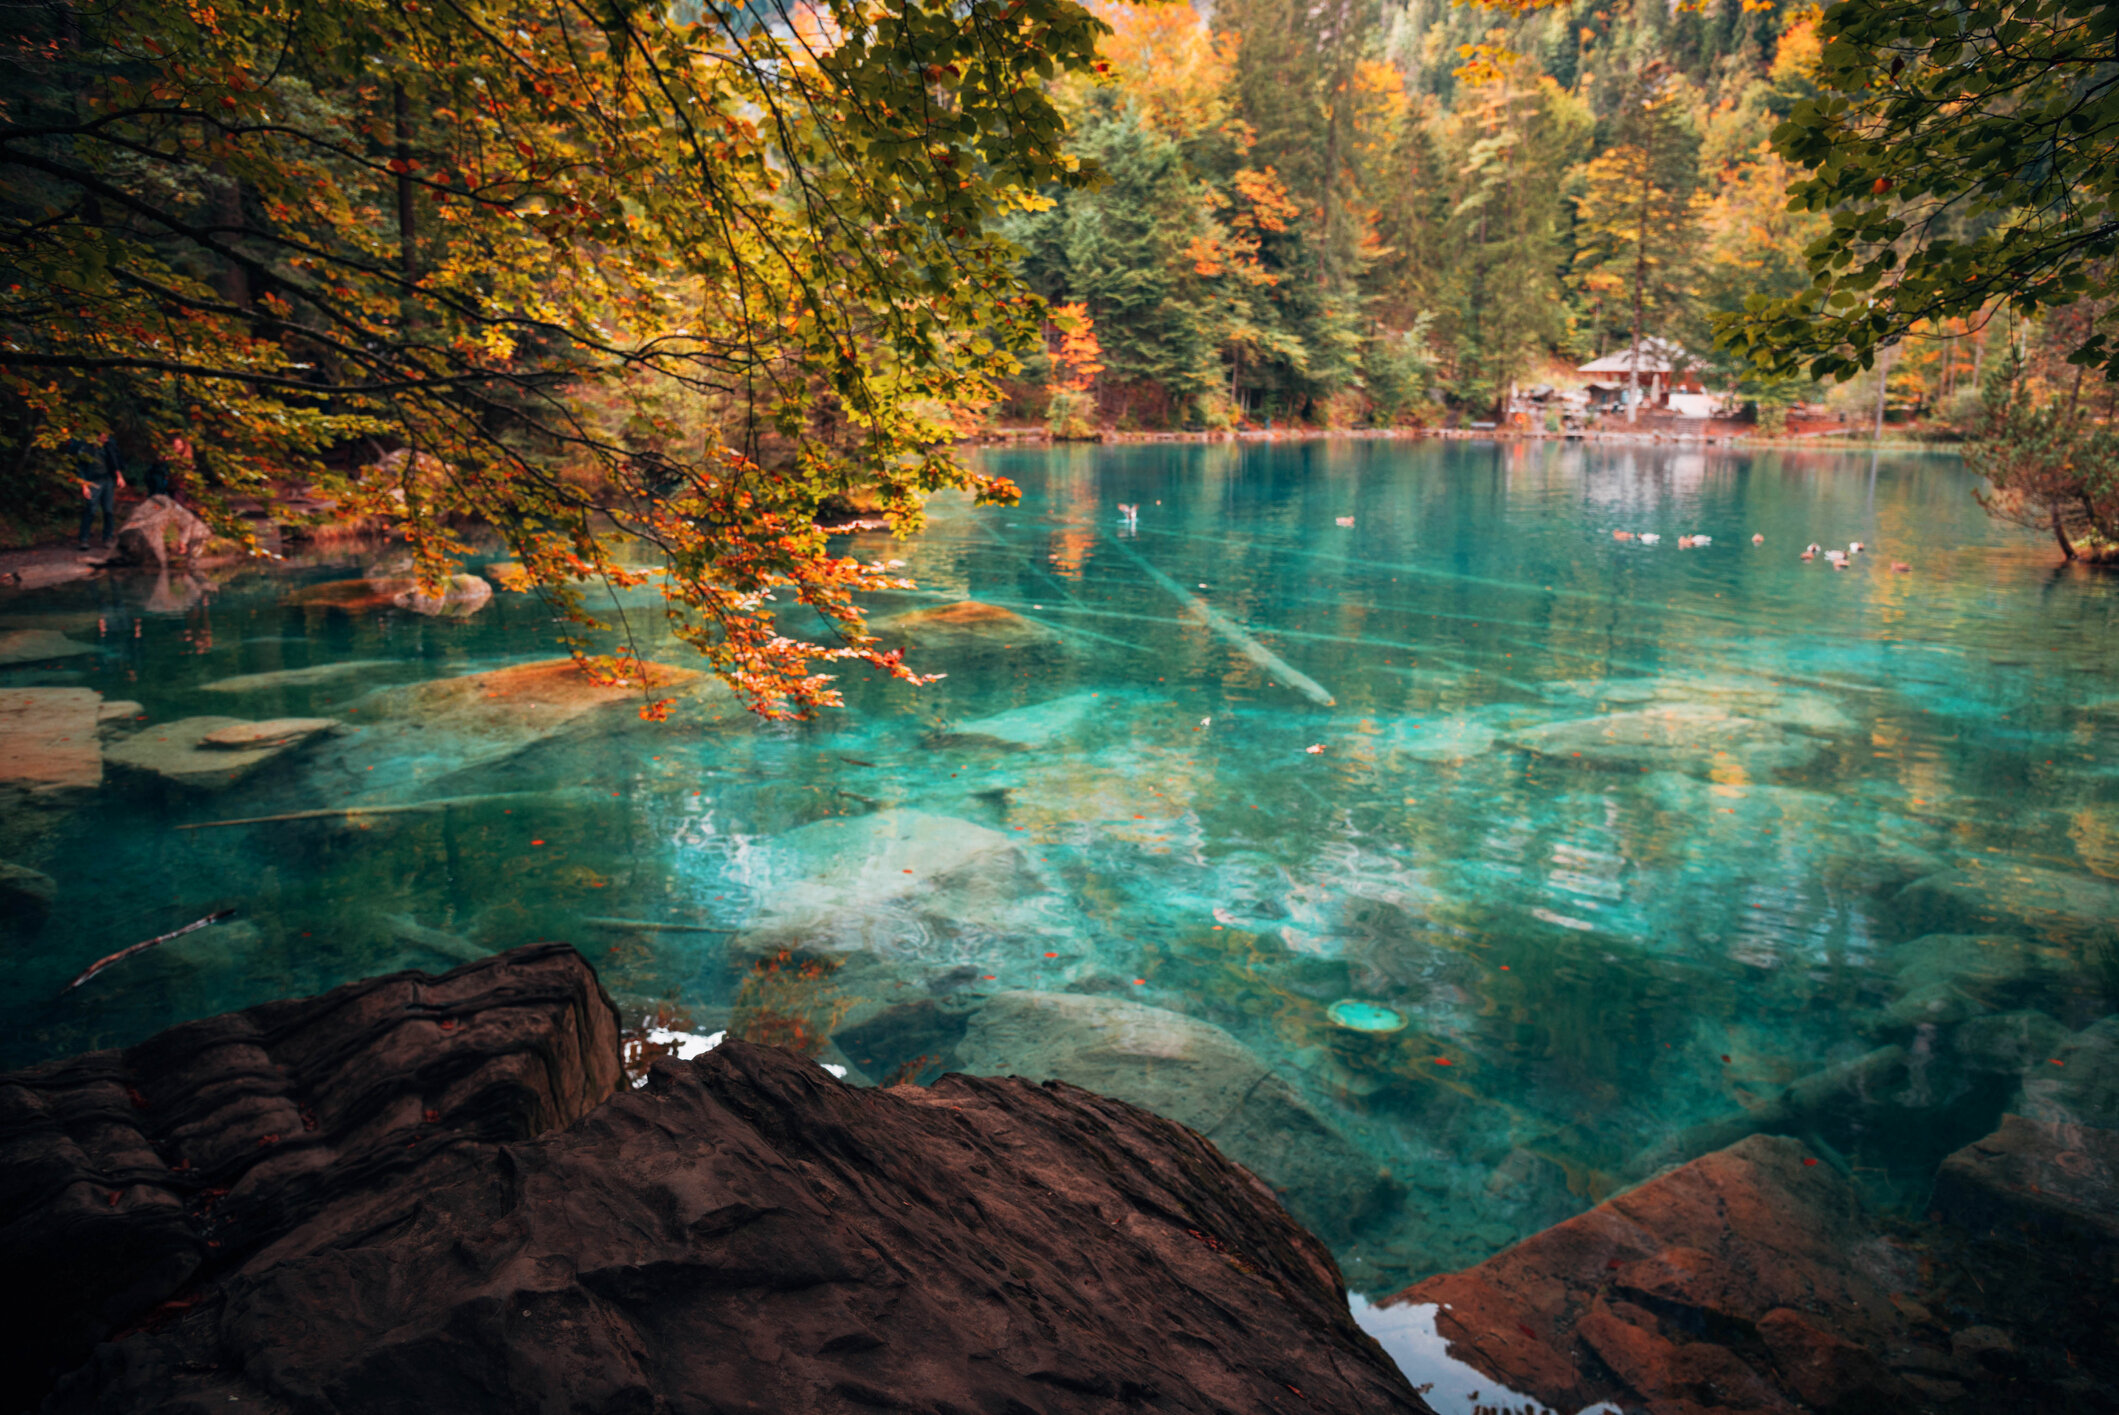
(1596, 848)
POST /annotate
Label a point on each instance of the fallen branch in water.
(328, 812)
(124, 953)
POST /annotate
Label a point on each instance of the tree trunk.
(2067, 547)
(1883, 386)
(1640, 274)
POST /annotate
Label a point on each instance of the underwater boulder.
(48, 739)
(900, 885)
(2084, 1087)
(309, 677)
(1689, 737)
(1456, 738)
(26, 898)
(209, 753)
(51, 761)
(966, 632)
(2009, 1043)
(2003, 894)
(1024, 728)
(1189, 1071)
(2042, 1180)
(37, 646)
(350, 596)
(425, 732)
(117, 716)
(461, 596)
(1945, 978)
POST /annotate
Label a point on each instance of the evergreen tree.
(1508, 144)
(1637, 219)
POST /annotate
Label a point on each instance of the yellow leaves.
(1272, 207)
(1080, 356)
(1167, 59)
(1485, 63)
(1205, 256)
(1796, 56)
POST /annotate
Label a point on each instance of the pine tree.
(1637, 219)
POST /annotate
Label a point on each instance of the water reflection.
(1634, 838)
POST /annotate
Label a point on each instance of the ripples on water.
(1593, 954)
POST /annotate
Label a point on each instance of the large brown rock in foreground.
(749, 1234)
(129, 1178)
(743, 1234)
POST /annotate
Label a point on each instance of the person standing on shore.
(101, 471)
(172, 469)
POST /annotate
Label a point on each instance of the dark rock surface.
(1694, 1290)
(1752, 1279)
(130, 1177)
(743, 1234)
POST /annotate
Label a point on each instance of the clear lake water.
(1527, 858)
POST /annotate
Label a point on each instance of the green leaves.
(1970, 156)
(602, 268)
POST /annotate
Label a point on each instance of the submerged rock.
(1671, 737)
(48, 739)
(51, 760)
(272, 732)
(37, 646)
(159, 530)
(299, 677)
(425, 732)
(1998, 893)
(461, 596)
(2079, 1082)
(1038, 725)
(744, 1233)
(2049, 1178)
(1189, 1071)
(1445, 739)
(352, 596)
(1946, 978)
(967, 632)
(894, 883)
(126, 1176)
(26, 898)
(210, 753)
(117, 716)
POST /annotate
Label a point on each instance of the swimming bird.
(1855, 547)
(1622, 535)
(1344, 520)
(1900, 567)
(1684, 542)
(1650, 538)
(1703, 540)
(1810, 551)
(1129, 514)
(1758, 539)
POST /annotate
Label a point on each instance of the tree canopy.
(590, 266)
(1968, 156)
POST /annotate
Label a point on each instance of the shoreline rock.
(130, 1177)
(744, 1232)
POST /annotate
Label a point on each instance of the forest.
(1355, 214)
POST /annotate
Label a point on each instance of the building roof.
(1657, 356)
